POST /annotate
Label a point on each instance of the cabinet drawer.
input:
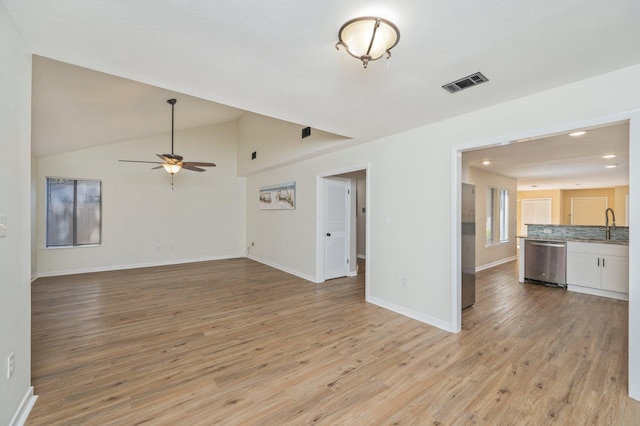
(601, 249)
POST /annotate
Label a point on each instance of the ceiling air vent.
(463, 83)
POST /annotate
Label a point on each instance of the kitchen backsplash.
(620, 233)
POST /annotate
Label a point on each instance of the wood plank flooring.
(235, 342)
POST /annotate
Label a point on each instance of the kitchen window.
(497, 224)
(74, 212)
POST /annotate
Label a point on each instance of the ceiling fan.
(173, 163)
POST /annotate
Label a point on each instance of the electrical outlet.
(547, 231)
(10, 366)
(405, 282)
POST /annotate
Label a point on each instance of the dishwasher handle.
(559, 245)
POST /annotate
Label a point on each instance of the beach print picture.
(278, 197)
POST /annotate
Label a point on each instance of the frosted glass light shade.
(172, 168)
(368, 38)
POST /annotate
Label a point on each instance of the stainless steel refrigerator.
(468, 264)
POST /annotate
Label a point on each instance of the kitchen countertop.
(577, 240)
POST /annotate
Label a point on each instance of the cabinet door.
(615, 274)
(583, 269)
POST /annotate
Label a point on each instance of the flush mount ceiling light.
(368, 38)
(580, 133)
(609, 156)
(486, 162)
(610, 166)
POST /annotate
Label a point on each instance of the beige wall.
(567, 195)
(494, 254)
(561, 202)
(621, 192)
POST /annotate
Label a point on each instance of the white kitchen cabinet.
(604, 268)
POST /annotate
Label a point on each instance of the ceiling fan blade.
(193, 168)
(157, 167)
(137, 161)
(197, 163)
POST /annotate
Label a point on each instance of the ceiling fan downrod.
(173, 103)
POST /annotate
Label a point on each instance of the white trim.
(361, 256)
(435, 322)
(626, 210)
(285, 269)
(597, 292)
(496, 263)
(131, 266)
(28, 401)
(455, 324)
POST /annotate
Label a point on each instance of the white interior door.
(534, 211)
(336, 229)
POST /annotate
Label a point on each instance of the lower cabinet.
(598, 266)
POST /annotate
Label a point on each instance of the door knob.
(328, 234)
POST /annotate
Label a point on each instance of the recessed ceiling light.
(609, 156)
(486, 162)
(580, 133)
(611, 166)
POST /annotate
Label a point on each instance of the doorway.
(356, 238)
(520, 161)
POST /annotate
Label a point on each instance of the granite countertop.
(577, 240)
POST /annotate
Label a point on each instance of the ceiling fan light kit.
(368, 38)
(173, 163)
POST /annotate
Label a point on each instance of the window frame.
(74, 243)
(497, 216)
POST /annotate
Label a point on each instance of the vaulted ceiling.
(278, 58)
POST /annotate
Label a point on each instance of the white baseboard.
(20, 416)
(435, 322)
(598, 292)
(131, 266)
(284, 269)
(496, 263)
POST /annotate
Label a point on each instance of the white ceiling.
(561, 161)
(278, 58)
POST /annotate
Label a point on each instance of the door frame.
(345, 183)
(456, 190)
(319, 219)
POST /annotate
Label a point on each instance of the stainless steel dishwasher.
(545, 262)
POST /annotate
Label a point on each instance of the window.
(74, 211)
(497, 225)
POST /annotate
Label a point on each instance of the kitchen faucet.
(606, 222)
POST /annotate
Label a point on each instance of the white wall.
(144, 221)
(487, 256)
(413, 229)
(278, 142)
(15, 266)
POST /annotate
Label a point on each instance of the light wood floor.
(236, 342)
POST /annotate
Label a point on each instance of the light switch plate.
(3, 226)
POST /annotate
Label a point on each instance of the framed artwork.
(278, 197)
